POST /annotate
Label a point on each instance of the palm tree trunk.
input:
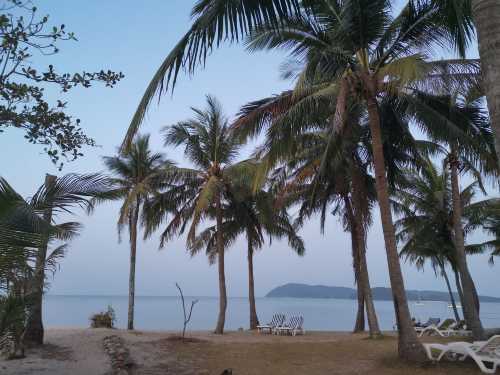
(459, 287)
(486, 15)
(448, 285)
(471, 313)
(219, 328)
(133, 251)
(359, 325)
(34, 327)
(364, 278)
(254, 320)
(409, 347)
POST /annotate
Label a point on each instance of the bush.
(103, 319)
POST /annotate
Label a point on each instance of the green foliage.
(212, 148)
(425, 227)
(137, 175)
(25, 36)
(23, 232)
(13, 314)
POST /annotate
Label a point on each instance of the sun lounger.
(445, 329)
(293, 327)
(431, 321)
(482, 352)
(276, 321)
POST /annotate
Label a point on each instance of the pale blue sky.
(134, 37)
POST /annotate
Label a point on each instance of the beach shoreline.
(80, 351)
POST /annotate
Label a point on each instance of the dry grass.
(314, 354)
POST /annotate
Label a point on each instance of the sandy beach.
(81, 352)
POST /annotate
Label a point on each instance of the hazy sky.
(134, 37)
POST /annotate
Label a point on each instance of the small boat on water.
(450, 306)
(419, 301)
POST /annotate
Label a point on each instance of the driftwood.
(187, 316)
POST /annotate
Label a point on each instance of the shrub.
(103, 319)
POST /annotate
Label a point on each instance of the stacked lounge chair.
(276, 321)
(449, 327)
(293, 327)
(486, 354)
(444, 329)
(430, 322)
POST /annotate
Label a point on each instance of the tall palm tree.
(137, 174)
(487, 21)
(201, 193)
(33, 223)
(256, 215)
(459, 123)
(426, 227)
(335, 161)
(426, 224)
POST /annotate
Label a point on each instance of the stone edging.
(121, 362)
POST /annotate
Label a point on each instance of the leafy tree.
(26, 36)
(137, 174)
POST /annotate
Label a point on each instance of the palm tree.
(360, 52)
(485, 215)
(426, 225)
(201, 193)
(256, 215)
(32, 222)
(137, 174)
(335, 162)
(459, 123)
(22, 233)
(487, 20)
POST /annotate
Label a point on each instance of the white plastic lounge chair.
(482, 352)
(460, 329)
(445, 329)
(431, 321)
(276, 321)
(294, 327)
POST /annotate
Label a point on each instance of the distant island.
(381, 294)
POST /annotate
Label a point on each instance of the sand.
(80, 351)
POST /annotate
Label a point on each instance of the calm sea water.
(165, 313)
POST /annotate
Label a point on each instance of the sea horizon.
(165, 312)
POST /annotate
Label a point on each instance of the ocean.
(165, 313)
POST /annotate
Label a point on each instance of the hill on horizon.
(297, 290)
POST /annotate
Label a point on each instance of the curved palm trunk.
(471, 313)
(359, 324)
(131, 280)
(254, 320)
(219, 328)
(452, 297)
(487, 21)
(408, 345)
(357, 228)
(364, 277)
(34, 327)
(459, 287)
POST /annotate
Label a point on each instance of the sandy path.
(67, 351)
